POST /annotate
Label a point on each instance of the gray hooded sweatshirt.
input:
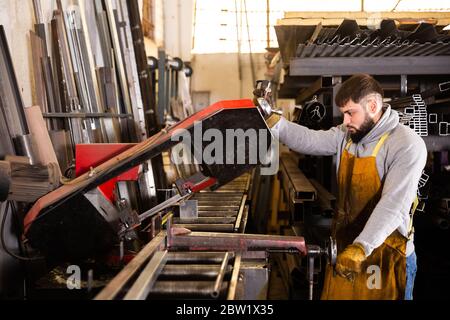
(400, 163)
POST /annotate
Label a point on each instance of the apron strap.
(349, 143)
(379, 144)
(377, 147)
(414, 206)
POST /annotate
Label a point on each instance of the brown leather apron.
(383, 274)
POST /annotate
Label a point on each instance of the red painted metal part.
(66, 190)
(210, 241)
(212, 109)
(92, 155)
(201, 186)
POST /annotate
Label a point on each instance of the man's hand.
(272, 120)
(271, 116)
(348, 263)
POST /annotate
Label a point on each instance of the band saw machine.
(77, 220)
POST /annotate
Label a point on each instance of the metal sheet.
(10, 98)
(131, 68)
(189, 211)
(68, 97)
(62, 145)
(119, 62)
(26, 145)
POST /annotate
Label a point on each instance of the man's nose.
(346, 119)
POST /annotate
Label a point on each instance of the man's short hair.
(356, 88)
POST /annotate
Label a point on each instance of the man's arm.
(399, 191)
(307, 141)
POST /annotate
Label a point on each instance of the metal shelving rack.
(407, 63)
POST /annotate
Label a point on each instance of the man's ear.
(372, 106)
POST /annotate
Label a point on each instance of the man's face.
(357, 120)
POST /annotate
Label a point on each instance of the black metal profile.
(147, 91)
(10, 93)
(145, 81)
(372, 65)
(85, 115)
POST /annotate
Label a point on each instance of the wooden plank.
(366, 15)
(361, 22)
(314, 22)
(30, 182)
(36, 52)
(38, 128)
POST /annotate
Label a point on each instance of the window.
(241, 25)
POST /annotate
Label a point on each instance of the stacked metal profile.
(222, 210)
(194, 274)
(412, 66)
(92, 79)
(348, 40)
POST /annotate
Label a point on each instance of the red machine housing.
(65, 224)
(89, 156)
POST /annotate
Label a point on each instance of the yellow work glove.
(272, 120)
(348, 262)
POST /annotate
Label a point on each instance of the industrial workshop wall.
(17, 18)
(178, 27)
(219, 74)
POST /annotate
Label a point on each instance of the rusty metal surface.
(185, 289)
(193, 271)
(204, 241)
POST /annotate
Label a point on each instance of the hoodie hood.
(388, 122)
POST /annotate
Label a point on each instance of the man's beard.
(365, 128)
